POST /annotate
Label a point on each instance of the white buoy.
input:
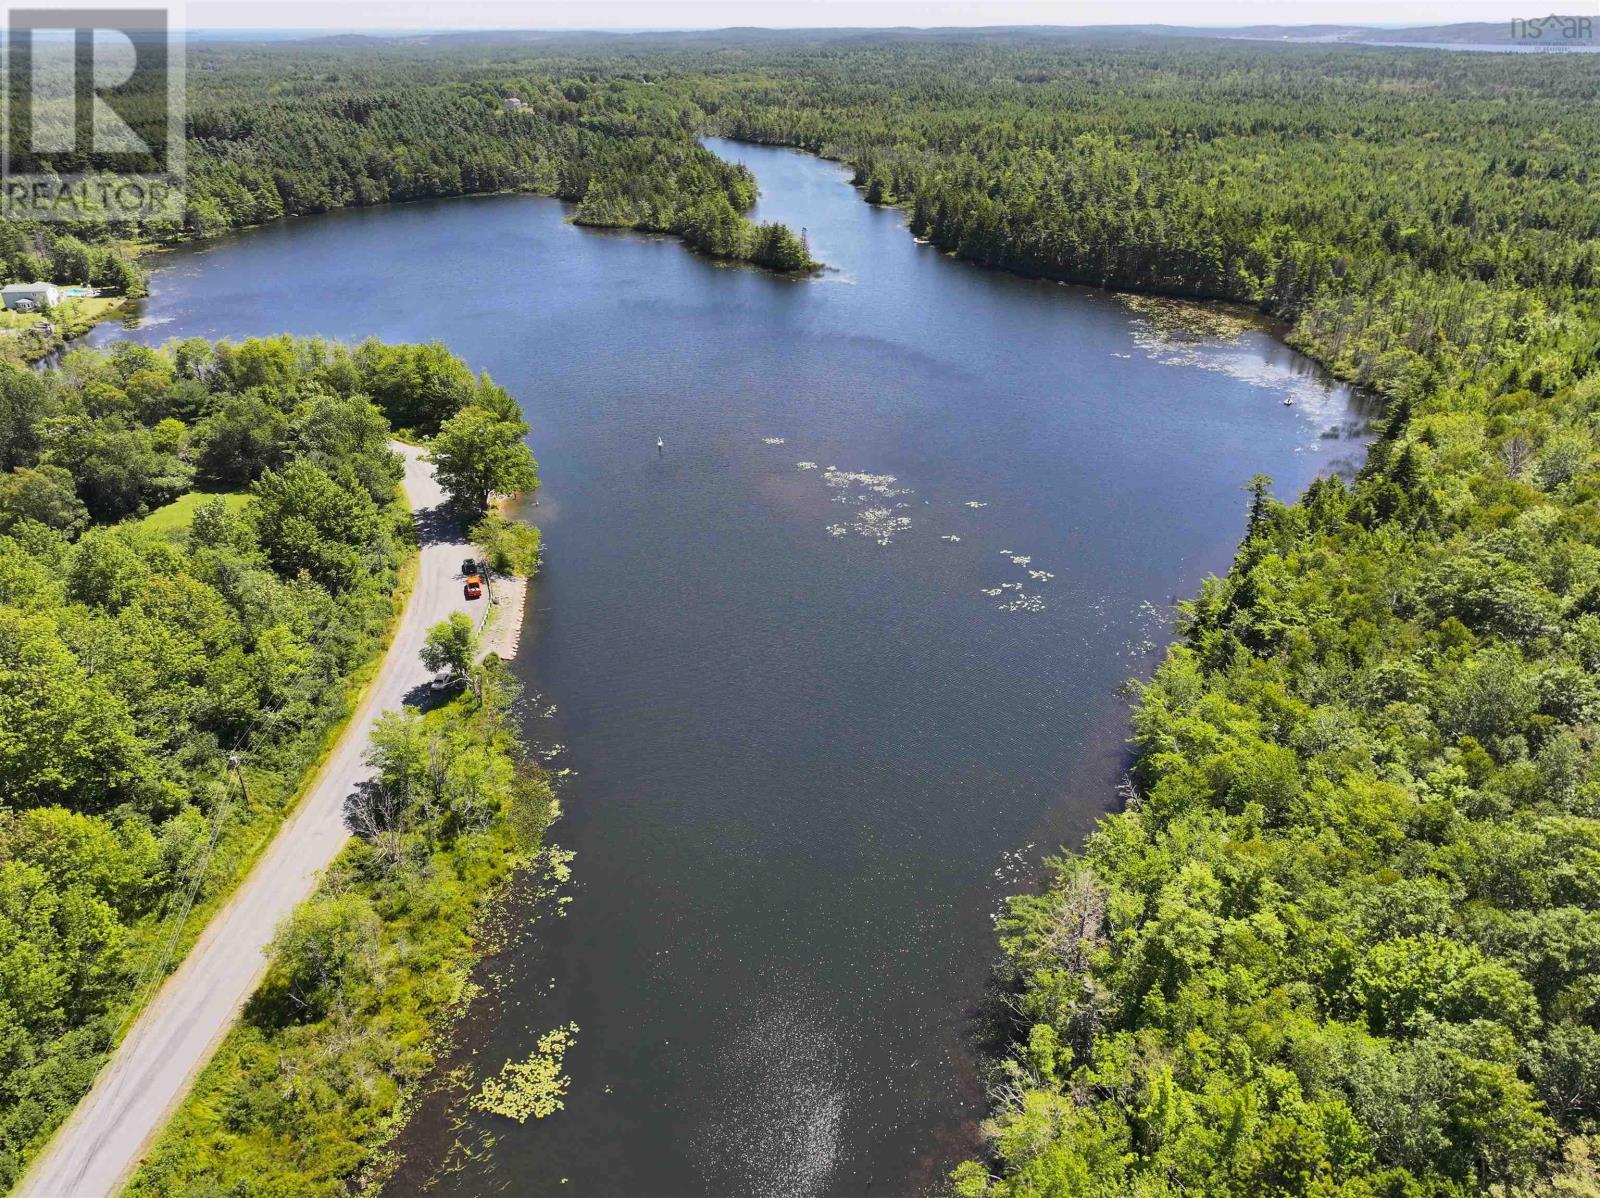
(660, 445)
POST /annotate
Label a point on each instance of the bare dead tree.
(376, 814)
(1074, 931)
(1516, 452)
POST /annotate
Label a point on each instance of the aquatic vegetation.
(558, 863)
(1178, 320)
(1191, 345)
(880, 524)
(772, 440)
(805, 465)
(950, 536)
(555, 872)
(1040, 575)
(1019, 559)
(871, 484)
(876, 522)
(535, 1087)
(973, 503)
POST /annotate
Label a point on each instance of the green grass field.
(173, 519)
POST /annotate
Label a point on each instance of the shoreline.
(1279, 325)
(67, 323)
(501, 630)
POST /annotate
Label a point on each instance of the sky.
(709, 14)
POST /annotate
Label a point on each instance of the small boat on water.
(1288, 401)
(660, 445)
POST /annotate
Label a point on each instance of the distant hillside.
(1553, 32)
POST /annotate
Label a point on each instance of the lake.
(834, 670)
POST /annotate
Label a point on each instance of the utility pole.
(154, 973)
(234, 762)
(486, 571)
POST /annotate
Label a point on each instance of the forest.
(274, 133)
(201, 550)
(1414, 217)
(1341, 934)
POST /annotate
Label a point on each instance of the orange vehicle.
(474, 586)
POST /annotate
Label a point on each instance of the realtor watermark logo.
(93, 120)
(1553, 29)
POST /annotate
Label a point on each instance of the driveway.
(96, 1150)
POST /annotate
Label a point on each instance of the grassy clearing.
(172, 520)
(25, 337)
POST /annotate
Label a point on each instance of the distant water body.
(1554, 44)
(834, 669)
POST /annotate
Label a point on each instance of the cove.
(834, 670)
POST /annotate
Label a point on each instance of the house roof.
(13, 288)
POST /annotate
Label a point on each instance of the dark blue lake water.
(834, 670)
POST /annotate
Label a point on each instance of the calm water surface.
(815, 735)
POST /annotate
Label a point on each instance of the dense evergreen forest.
(1344, 938)
(200, 547)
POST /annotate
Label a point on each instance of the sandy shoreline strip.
(502, 630)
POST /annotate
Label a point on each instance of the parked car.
(470, 566)
(473, 587)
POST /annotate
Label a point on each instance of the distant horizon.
(375, 17)
(402, 30)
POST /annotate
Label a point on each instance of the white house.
(29, 297)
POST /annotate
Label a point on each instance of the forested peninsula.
(1343, 937)
(277, 132)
